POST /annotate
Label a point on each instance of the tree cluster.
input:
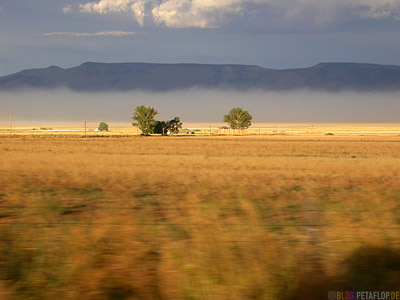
(144, 117)
(237, 118)
(172, 126)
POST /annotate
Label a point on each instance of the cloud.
(1, 8)
(172, 13)
(381, 9)
(67, 9)
(217, 13)
(200, 13)
(107, 6)
(84, 34)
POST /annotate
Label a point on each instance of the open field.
(293, 129)
(277, 216)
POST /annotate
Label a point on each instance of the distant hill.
(92, 76)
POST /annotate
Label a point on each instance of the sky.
(270, 33)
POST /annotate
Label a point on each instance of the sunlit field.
(291, 129)
(285, 212)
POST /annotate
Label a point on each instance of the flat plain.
(280, 215)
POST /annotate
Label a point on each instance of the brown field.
(275, 216)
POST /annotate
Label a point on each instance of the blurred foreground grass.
(198, 217)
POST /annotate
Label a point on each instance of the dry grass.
(270, 217)
(287, 129)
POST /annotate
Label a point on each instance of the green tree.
(161, 127)
(103, 126)
(144, 117)
(174, 125)
(238, 118)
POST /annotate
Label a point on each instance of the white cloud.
(382, 9)
(139, 10)
(67, 9)
(106, 6)
(216, 13)
(1, 8)
(172, 13)
(196, 13)
(84, 34)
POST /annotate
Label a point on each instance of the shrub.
(103, 126)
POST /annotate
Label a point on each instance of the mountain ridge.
(97, 76)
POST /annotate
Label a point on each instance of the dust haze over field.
(196, 105)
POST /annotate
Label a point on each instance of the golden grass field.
(293, 129)
(276, 216)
